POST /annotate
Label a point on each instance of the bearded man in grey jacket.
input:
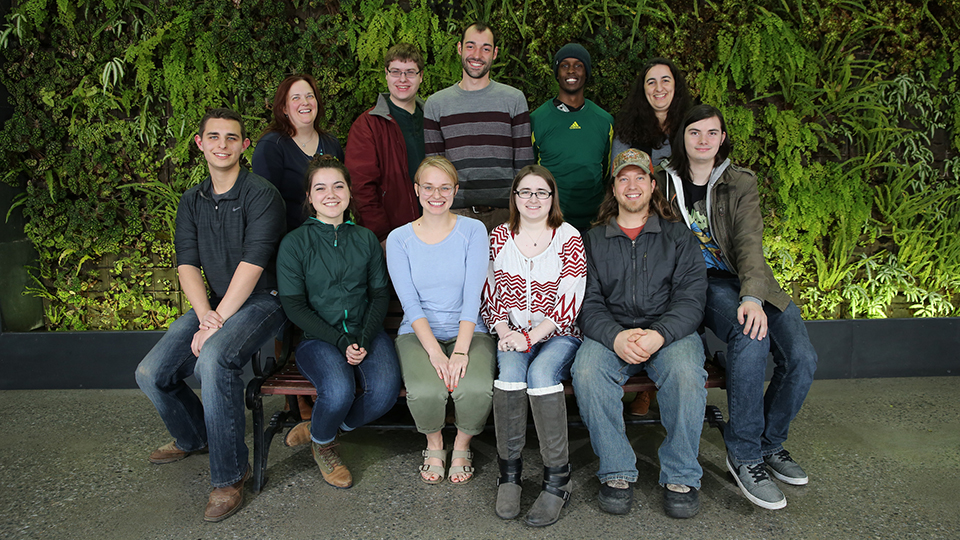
(644, 299)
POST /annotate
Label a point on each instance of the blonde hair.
(438, 162)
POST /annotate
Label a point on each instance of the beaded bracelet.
(529, 345)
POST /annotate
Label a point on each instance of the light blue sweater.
(441, 282)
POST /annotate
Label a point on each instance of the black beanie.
(571, 50)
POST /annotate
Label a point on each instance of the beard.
(469, 70)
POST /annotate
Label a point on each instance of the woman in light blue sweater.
(438, 265)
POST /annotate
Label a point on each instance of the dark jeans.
(759, 421)
(338, 404)
(220, 420)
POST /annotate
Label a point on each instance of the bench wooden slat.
(289, 381)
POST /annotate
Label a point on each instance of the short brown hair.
(223, 114)
(404, 52)
(481, 27)
(438, 162)
(555, 218)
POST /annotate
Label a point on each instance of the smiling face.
(702, 140)
(329, 195)
(435, 190)
(403, 88)
(301, 105)
(633, 187)
(222, 144)
(658, 86)
(572, 75)
(533, 209)
(477, 53)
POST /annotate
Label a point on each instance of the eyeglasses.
(540, 194)
(396, 73)
(446, 190)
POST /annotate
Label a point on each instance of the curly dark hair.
(636, 124)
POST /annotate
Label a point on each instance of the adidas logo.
(575, 125)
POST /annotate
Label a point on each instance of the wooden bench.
(272, 378)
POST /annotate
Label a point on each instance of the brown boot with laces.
(331, 466)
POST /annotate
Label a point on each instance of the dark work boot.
(510, 421)
(550, 417)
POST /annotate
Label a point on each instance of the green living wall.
(848, 110)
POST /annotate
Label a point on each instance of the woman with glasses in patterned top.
(535, 284)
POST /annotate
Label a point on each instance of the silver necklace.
(304, 144)
(538, 237)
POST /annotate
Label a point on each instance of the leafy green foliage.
(848, 110)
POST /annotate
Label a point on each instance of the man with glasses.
(572, 138)
(385, 146)
(483, 128)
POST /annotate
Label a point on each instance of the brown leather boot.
(225, 501)
(298, 434)
(331, 466)
(169, 453)
(640, 405)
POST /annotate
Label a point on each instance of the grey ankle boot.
(550, 417)
(510, 421)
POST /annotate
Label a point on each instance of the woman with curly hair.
(649, 116)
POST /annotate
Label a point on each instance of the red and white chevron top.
(525, 291)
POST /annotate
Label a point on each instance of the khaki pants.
(427, 395)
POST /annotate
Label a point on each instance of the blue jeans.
(547, 364)
(220, 419)
(338, 405)
(759, 422)
(677, 370)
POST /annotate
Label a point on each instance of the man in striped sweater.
(483, 127)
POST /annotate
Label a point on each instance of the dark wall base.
(847, 349)
(71, 360)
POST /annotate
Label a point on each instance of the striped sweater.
(524, 292)
(485, 134)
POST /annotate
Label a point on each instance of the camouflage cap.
(635, 157)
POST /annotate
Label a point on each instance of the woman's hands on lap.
(355, 354)
(512, 341)
(457, 369)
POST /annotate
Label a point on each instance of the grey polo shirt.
(244, 224)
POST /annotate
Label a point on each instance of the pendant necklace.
(538, 237)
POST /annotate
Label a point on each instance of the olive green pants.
(427, 395)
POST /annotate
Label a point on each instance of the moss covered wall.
(848, 110)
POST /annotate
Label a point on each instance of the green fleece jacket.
(333, 282)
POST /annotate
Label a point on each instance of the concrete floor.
(883, 456)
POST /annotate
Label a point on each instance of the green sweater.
(575, 148)
(333, 282)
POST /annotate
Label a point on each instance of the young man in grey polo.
(228, 226)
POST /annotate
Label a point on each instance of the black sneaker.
(785, 469)
(615, 500)
(756, 486)
(681, 505)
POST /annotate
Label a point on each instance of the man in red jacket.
(385, 146)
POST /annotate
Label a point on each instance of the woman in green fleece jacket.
(332, 278)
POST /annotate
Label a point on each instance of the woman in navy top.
(293, 138)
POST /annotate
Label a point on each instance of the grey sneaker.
(785, 469)
(756, 486)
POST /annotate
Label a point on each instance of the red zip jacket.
(376, 157)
